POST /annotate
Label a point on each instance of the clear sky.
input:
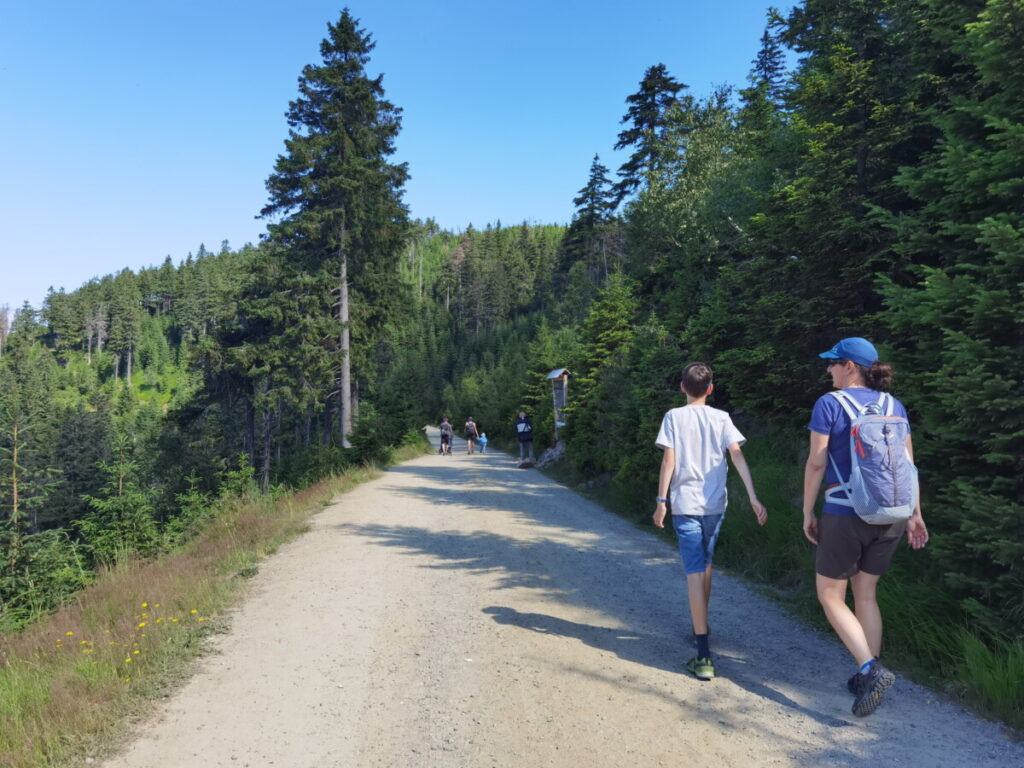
(131, 131)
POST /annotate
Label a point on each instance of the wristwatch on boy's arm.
(661, 499)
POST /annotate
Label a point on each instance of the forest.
(875, 188)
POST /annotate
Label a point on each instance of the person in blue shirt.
(850, 550)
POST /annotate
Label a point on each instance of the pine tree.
(590, 236)
(5, 325)
(338, 194)
(125, 321)
(646, 118)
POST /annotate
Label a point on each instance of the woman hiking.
(849, 549)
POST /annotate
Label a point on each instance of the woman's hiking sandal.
(702, 669)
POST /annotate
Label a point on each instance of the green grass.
(71, 680)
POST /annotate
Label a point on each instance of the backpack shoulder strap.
(851, 406)
(885, 402)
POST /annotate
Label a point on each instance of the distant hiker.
(446, 437)
(695, 439)
(471, 435)
(483, 442)
(524, 431)
(850, 549)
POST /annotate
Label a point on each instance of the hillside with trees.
(875, 189)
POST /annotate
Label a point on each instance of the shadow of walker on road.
(644, 649)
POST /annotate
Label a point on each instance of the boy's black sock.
(703, 650)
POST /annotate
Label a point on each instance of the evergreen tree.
(5, 325)
(338, 194)
(590, 236)
(960, 330)
(646, 118)
(121, 522)
(605, 339)
(125, 322)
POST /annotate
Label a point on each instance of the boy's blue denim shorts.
(697, 537)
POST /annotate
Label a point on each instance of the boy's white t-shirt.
(700, 436)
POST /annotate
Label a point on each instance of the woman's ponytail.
(878, 376)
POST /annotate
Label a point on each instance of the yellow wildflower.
(72, 634)
(145, 605)
(140, 625)
(193, 611)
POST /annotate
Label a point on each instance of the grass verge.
(71, 681)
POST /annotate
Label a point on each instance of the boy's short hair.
(697, 377)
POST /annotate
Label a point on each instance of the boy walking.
(695, 439)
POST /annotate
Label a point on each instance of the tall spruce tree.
(646, 118)
(339, 197)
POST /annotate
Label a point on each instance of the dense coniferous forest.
(875, 189)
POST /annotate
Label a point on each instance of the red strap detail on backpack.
(858, 444)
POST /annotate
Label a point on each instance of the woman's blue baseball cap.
(860, 351)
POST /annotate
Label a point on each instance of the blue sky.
(136, 130)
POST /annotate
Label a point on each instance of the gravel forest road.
(459, 611)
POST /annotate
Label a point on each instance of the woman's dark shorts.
(847, 545)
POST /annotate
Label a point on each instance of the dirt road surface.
(459, 611)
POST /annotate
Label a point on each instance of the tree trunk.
(117, 367)
(328, 425)
(15, 511)
(265, 464)
(128, 367)
(345, 373)
(250, 431)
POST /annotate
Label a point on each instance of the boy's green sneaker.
(702, 669)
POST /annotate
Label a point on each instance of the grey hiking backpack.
(882, 487)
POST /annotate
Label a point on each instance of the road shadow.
(635, 584)
(640, 648)
(607, 574)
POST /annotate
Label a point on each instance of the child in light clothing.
(695, 440)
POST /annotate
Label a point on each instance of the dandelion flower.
(128, 660)
(72, 634)
(193, 612)
(140, 625)
(174, 620)
(145, 605)
(201, 619)
(136, 652)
